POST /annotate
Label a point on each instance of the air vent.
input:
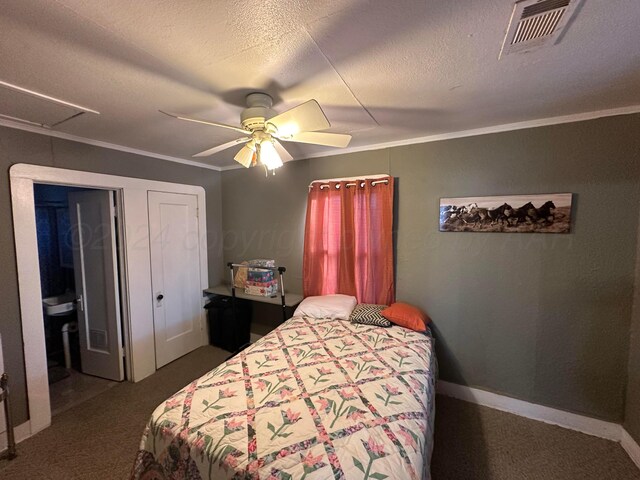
(535, 23)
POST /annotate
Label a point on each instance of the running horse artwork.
(541, 213)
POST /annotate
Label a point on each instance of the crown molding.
(98, 143)
(507, 127)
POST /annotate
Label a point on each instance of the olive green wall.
(264, 217)
(544, 318)
(632, 408)
(17, 146)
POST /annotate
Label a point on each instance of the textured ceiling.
(382, 70)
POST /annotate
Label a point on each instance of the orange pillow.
(407, 316)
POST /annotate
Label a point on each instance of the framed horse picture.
(542, 213)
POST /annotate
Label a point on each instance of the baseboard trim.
(630, 446)
(572, 421)
(21, 432)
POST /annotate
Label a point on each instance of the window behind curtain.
(348, 245)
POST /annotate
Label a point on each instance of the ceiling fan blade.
(245, 156)
(206, 122)
(284, 155)
(306, 117)
(321, 138)
(224, 146)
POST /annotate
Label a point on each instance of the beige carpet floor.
(474, 442)
(99, 438)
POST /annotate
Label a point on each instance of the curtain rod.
(381, 178)
(347, 185)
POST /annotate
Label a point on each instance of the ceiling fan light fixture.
(268, 156)
(245, 156)
(263, 128)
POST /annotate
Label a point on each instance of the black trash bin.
(227, 331)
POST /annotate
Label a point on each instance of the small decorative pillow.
(327, 306)
(369, 314)
(406, 316)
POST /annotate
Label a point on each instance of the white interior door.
(175, 274)
(92, 218)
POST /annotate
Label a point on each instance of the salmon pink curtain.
(348, 241)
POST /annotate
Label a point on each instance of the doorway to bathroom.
(78, 256)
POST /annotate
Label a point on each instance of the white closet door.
(92, 219)
(175, 274)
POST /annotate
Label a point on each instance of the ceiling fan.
(263, 127)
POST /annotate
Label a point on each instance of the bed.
(314, 399)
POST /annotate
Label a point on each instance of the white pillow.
(327, 306)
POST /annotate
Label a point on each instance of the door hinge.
(124, 352)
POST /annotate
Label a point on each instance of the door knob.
(160, 297)
(79, 303)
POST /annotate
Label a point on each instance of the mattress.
(313, 399)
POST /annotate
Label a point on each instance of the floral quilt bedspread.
(314, 399)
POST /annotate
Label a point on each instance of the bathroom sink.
(60, 305)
